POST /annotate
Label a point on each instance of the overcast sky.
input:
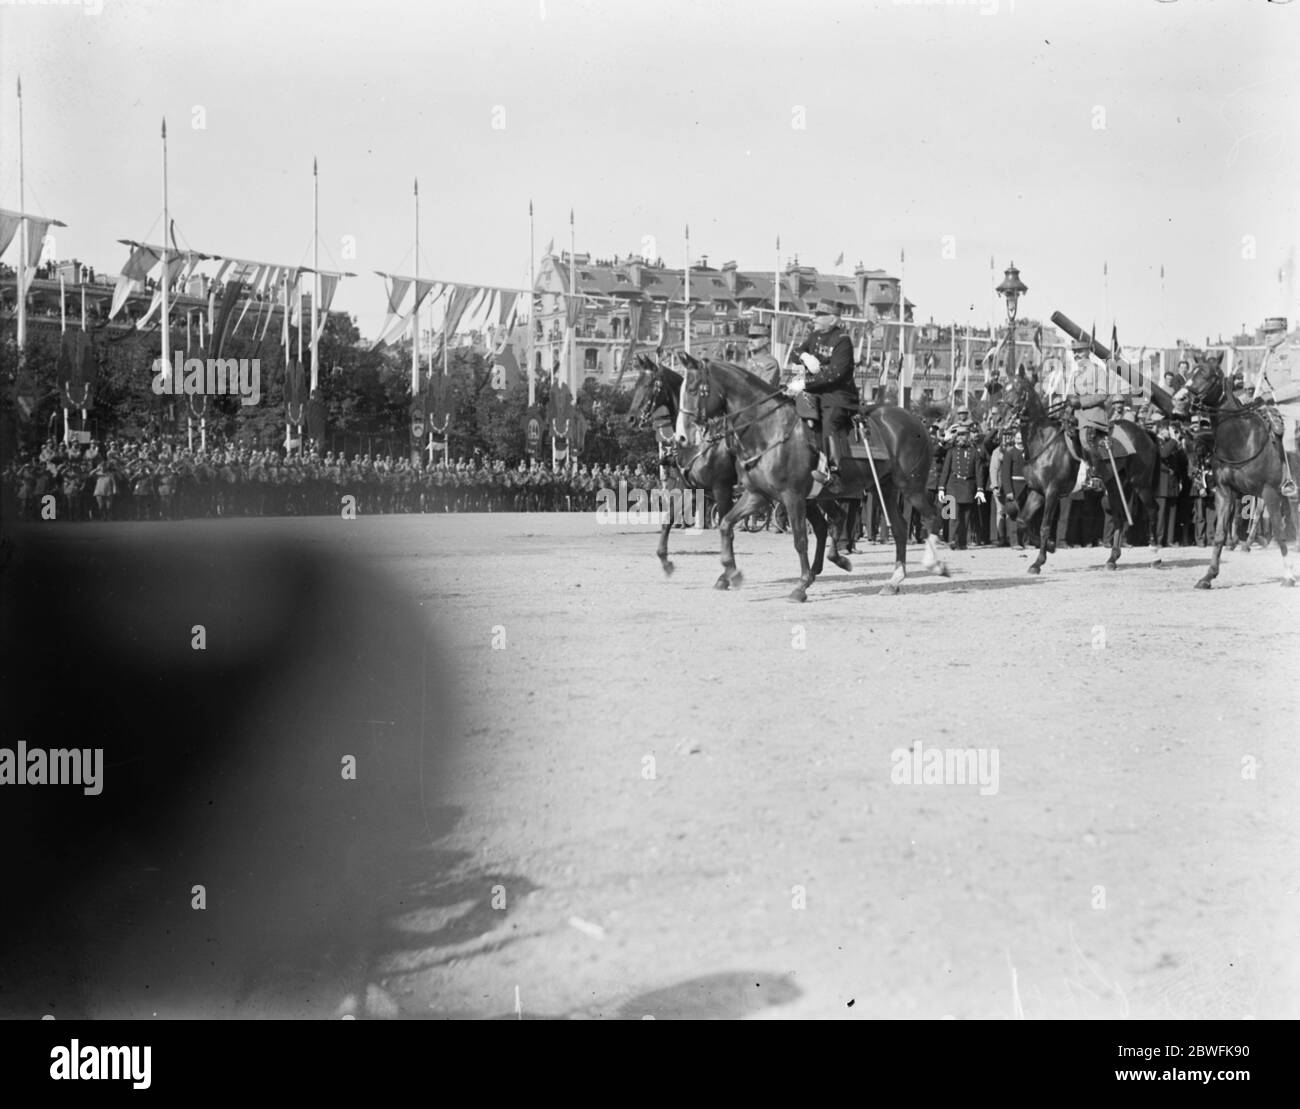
(1058, 134)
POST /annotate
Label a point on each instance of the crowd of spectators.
(161, 479)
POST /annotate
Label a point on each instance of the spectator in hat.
(759, 360)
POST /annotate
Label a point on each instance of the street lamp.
(1013, 289)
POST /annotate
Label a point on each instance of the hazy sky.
(1055, 133)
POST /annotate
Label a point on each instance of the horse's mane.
(750, 378)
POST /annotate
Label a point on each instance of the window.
(589, 359)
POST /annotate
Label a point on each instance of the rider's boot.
(1288, 487)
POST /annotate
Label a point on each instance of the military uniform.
(1089, 393)
(829, 380)
(760, 361)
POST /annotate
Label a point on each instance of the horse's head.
(1019, 401)
(700, 400)
(1205, 388)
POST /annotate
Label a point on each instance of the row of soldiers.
(152, 482)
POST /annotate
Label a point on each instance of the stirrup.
(1288, 488)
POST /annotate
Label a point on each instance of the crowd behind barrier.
(162, 479)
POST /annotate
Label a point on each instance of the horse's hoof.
(843, 563)
(798, 596)
(736, 579)
(722, 583)
(1034, 568)
(942, 570)
(889, 589)
(668, 569)
(1204, 583)
(1110, 566)
(1288, 583)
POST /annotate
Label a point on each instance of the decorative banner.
(417, 422)
(293, 392)
(316, 420)
(578, 434)
(533, 429)
(559, 411)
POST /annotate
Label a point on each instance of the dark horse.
(1245, 460)
(707, 465)
(775, 451)
(709, 461)
(1052, 471)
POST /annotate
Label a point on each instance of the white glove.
(796, 385)
(810, 362)
(979, 495)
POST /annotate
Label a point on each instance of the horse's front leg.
(817, 518)
(795, 507)
(669, 516)
(900, 538)
(1046, 529)
(1115, 493)
(1273, 505)
(1225, 502)
(730, 576)
(838, 517)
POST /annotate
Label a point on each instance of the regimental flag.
(577, 433)
(559, 411)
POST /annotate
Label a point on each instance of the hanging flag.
(329, 283)
(550, 249)
(397, 287)
(9, 224)
(234, 289)
(1038, 344)
(840, 260)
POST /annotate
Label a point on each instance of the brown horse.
(1246, 460)
(1052, 471)
(775, 450)
(704, 460)
(706, 465)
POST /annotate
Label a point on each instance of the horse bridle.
(731, 432)
(1211, 401)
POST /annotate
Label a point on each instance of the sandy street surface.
(663, 800)
(684, 813)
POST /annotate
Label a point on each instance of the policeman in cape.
(826, 379)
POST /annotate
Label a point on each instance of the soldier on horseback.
(827, 381)
(1088, 396)
(760, 361)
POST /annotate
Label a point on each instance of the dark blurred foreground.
(222, 769)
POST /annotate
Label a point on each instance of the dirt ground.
(674, 801)
(664, 800)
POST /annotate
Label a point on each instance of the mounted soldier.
(827, 381)
(760, 361)
(1088, 395)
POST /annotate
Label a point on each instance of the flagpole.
(315, 265)
(532, 304)
(22, 242)
(776, 304)
(573, 328)
(902, 326)
(162, 279)
(686, 325)
(415, 316)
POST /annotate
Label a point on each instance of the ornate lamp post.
(1013, 289)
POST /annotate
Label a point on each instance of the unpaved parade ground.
(644, 797)
(673, 801)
